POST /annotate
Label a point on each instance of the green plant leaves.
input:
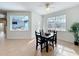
(75, 29)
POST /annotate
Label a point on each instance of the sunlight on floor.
(65, 51)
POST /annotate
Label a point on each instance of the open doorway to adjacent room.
(2, 34)
(2, 29)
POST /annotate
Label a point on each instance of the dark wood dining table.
(47, 37)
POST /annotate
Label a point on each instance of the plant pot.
(76, 43)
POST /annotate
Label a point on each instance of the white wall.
(72, 16)
(36, 23)
(18, 34)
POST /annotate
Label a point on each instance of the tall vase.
(76, 38)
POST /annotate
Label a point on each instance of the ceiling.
(38, 7)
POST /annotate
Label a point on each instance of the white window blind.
(57, 23)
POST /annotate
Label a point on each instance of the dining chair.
(40, 40)
(51, 41)
(55, 36)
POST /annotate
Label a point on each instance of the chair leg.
(41, 47)
(36, 45)
(55, 41)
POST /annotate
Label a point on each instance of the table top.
(46, 35)
(51, 34)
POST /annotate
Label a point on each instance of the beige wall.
(18, 34)
(72, 16)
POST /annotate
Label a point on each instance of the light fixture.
(47, 7)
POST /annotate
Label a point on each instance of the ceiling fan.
(47, 6)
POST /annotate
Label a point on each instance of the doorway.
(2, 34)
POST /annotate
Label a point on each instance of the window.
(18, 23)
(57, 23)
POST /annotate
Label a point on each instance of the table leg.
(47, 46)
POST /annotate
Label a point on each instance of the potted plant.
(75, 29)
